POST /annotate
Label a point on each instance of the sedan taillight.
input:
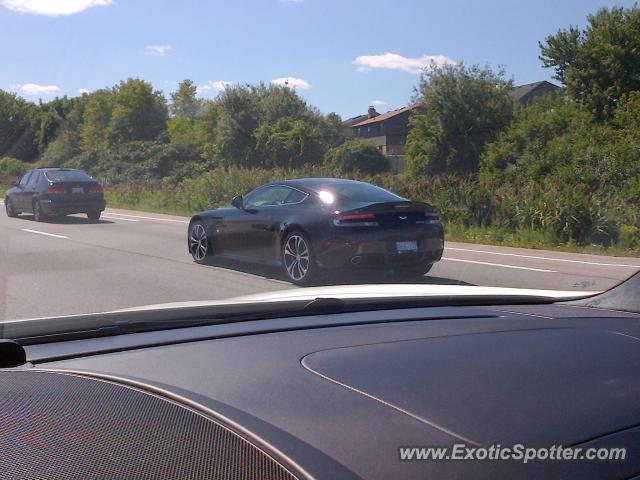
(356, 220)
(56, 189)
(96, 189)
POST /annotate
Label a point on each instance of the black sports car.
(55, 192)
(312, 225)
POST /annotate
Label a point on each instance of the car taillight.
(356, 220)
(431, 217)
(56, 189)
(96, 189)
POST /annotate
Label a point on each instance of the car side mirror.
(237, 202)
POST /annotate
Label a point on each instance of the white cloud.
(393, 61)
(52, 7)
(292, 82)
(377, 103)
(158, 50)
(82, 91)
(33, 89)
(211, 85)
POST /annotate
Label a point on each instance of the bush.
(629, 237)
(12, 167)
(357, 155)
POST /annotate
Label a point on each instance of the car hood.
(374, 291)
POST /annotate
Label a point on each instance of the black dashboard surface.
(381, 380)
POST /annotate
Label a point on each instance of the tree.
(68, 140)
(332, 129)
(599, 64)
(239, 117)
(462, 108)
(288, 143)
(357, 154)
(139, 112)
(97, 118)
(184, 102)
(17, 127)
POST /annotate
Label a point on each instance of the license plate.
(404, 247)
(77, 190)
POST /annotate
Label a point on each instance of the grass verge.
(161, 201)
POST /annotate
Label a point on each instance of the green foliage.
(462, 109)
(599, 64)
(556, 169)
(269, 126)
(17, 127)
(288, 144)
(12, 168)
(357, 154)
(139, 112)
(132, 162)
(97, 118)
(629, 237)
(184, 102)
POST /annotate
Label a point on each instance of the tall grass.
(526, 216)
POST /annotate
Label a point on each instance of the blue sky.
(341, 55)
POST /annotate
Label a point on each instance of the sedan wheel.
(297, 259)
(8, 205)
(198, 242)
(38, 216)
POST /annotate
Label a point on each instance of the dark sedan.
(312, 225)
(55, 192)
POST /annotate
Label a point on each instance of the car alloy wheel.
(296, 257)
(198, 242)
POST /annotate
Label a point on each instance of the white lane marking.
(118, 218)
(499, 265)
(542, 258)
(43, 233)
(149, 218)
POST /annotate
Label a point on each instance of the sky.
(340, 55)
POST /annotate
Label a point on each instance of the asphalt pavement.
(132, 258)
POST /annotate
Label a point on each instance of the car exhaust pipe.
(357, 260)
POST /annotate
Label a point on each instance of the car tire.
(94, 216)
(415, 271)
(298, 260)
(38, 216)
(199, 242)
(8, 205)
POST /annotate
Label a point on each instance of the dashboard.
(330, 396)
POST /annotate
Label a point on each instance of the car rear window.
(358, 192)
(68, 176)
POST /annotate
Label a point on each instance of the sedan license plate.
(77, 190)
(406, 247)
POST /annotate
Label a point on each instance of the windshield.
(355, 192)
(67, 176)
(255, 149)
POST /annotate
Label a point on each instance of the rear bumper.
(53, 206)
(359, 248)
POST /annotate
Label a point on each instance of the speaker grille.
(60, 426)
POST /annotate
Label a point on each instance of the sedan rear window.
(357, 192)
(68, 176)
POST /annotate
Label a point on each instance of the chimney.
(371, 113)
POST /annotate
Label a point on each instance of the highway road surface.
(135, 258)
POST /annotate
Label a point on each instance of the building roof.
(386, 116)
(523, 90)
(353, 120)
